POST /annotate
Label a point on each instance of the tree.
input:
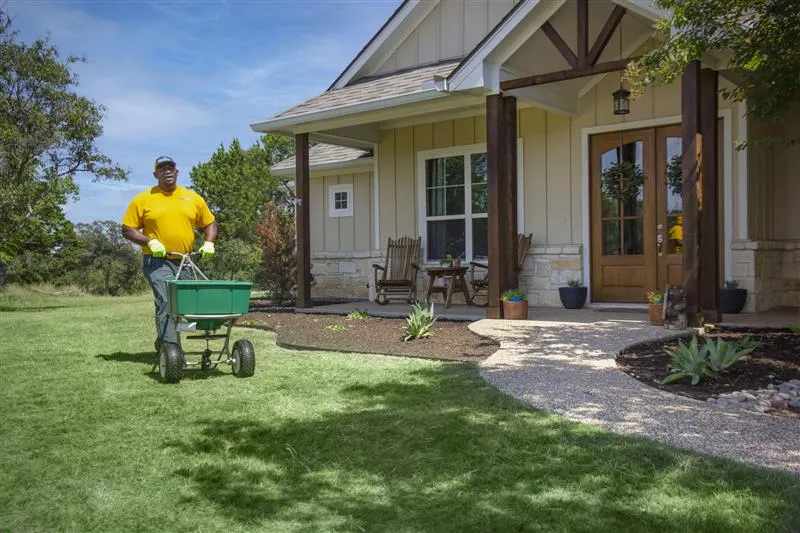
(758, 39)
(237, 185)
(109, 264)
(47, 136)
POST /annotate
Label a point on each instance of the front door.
(636, 213)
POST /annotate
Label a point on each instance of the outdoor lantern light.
(622, 101)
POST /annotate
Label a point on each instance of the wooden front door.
(636, 223)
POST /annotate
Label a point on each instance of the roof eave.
(366, 162)
(284, 125)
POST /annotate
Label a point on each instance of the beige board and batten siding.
(451, 29)
(341, 234)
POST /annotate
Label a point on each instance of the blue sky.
(178, 78)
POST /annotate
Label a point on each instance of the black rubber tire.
(170, 363)
(244, 359)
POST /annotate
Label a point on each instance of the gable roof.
(325, 157)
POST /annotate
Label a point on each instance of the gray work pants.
(158, 271)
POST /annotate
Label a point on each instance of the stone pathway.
(563, 362)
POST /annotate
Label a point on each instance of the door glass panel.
(622, 201)
(675, 235)
(633, 236)
(611, 237)
(674, 175)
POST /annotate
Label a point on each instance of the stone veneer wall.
(769, 270)
(350, 274)
(547, 268)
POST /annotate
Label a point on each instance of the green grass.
(320, 442)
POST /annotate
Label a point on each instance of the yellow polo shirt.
(170, 217)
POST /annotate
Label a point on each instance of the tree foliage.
(277, 236)
(108, 263)
(237, 185)
(47, 136)
(758, 39)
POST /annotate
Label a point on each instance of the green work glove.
(207, 250)
(156, 248)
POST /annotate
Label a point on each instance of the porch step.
(617, 307)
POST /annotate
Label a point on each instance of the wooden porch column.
(709, 197)
(692, 153)
(302, 221)
(508, 207)
(501, 165)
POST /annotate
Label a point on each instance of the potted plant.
(573, 296)
(457, 262)
(655, 307)
(515, 304)
(732, 298)
(447, 261)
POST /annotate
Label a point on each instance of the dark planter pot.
(731, 301)
(572, 298)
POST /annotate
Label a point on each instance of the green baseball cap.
(163, 160)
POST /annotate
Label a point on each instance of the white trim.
(376, 198)
(727, 188)
(465, 150)
(333, 212)
(464, 72)
(743, 167)
(644, 9)
(345, 110)
(727, 173)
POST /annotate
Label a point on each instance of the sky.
(179, 78)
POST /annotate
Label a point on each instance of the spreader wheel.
(244, 359)
(170, 363)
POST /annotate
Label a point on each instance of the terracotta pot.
(515, 310)
(656, 314)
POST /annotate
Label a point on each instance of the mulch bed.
(777, 360)
(451, 341)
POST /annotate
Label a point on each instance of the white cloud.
(134, 115)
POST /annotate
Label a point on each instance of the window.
(340, 200)
(455, 210)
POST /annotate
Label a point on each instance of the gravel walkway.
(564, 363)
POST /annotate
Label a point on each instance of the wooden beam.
(709, 199)
(302, 221)
(563, 75)
(690, 167)
(508, 206)
(494, 171)
(608, 30)
(583, 32)
(559, 43)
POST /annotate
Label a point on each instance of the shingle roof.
(373, 88)
(326, 154)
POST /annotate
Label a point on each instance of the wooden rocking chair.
(398, 276)
(480, 283)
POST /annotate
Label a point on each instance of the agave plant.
(721, 355)
(688, 361)
(419, 323)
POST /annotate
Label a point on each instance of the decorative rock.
(777, 396)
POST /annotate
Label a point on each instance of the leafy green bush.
(419, 323)
(358, 314)
(697, 362)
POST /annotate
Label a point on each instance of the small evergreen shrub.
(419, 323)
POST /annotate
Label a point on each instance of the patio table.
(453, 280)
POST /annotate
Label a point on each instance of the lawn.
(320, 442)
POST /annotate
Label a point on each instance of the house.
(465, 122)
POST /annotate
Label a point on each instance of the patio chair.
(397, 277)
(479, 271)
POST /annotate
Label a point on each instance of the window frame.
(332, 191)
(465, 151)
